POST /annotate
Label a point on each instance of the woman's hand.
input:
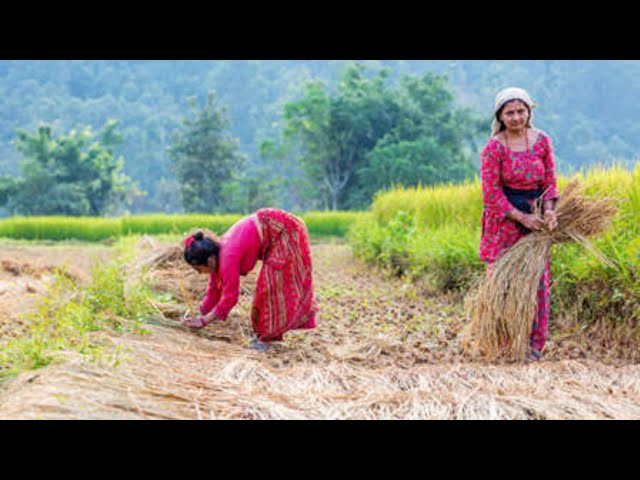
(199, 321)
(530, 221)
(551, 219)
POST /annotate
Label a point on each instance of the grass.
(92, 229)
(60, 228)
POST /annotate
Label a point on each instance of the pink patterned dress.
(284, 298)
(526, 170)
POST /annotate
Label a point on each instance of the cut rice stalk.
(506, 302)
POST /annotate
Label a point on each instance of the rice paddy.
(93, 229)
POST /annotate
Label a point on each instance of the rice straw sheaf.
(506, 302)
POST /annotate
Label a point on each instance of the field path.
(382, 350)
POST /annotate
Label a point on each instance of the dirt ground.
(383, 349)
(25, 270)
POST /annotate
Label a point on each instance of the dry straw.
(506, 301)
(169, 272)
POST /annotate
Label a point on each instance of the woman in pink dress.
(284, 298)
(518, 170)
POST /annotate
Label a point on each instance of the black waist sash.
(519, 198)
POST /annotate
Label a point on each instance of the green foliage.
(397, 235)
(432, 206)
(8, 188)
(447, 256)
(205, 159)
(367, 135)
(69, 316)
(430, 143)
(67, 175)
(114, 301)
(608, 290)
(282, 178)
(336, 224)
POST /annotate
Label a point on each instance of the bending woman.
(284, 298)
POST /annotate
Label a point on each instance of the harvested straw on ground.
(170, 273)
(506, 302)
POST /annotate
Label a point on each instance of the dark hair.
(199, 251)
(499, 112)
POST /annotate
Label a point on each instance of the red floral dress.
(525, 170)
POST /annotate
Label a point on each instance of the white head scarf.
(506, 95)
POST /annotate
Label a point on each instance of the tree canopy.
(369, 135)
(206, 159)
(73, 174)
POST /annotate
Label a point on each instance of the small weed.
(68, 318)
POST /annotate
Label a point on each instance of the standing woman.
(284, 298)
(517, 169)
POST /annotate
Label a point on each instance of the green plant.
(68, 317)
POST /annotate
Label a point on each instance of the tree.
(74, 174)
(205, 158)
(336, 131)
(368, 135)
(434, 142)
(284, 181)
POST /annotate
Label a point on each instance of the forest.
(298, 134)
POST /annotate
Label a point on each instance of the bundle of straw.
(506, 302)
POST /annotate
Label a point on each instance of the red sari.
(284, 298)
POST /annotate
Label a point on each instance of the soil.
(26, 270)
